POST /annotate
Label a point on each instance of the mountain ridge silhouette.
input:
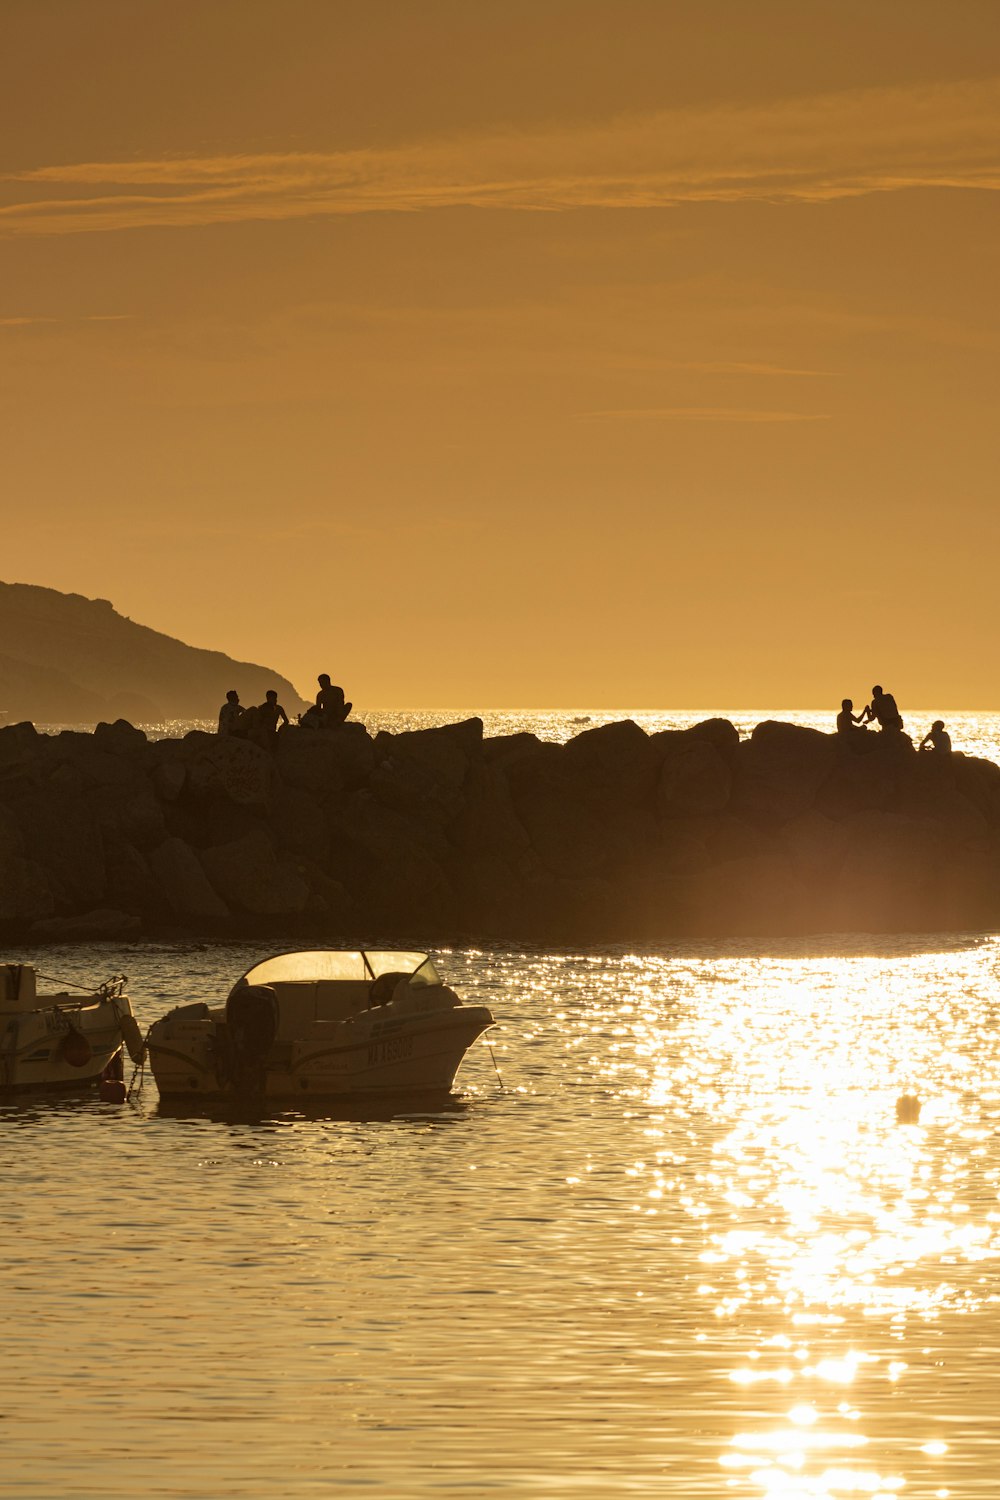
(65, 658)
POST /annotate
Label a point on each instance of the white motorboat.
(61, 1040)
(319, 1024)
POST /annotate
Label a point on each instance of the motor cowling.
(252, 1015)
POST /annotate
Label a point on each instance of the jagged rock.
(816, 845)
(487, 822)
(505, 749)
(131, 885)
(179, 874)
(299, 823)
(490, 899)
(312, 760)
(169, 778)
(694, 778)
(18, 742)
(249, 877)
(859, 780)
(426, 766)
(385, 860)
(106, 922)
(119, 738)
(237, 768)
(62, 836)
(721, 733)
(610, 767)
(24, 891)
(779, 771)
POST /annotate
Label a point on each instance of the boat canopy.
(328, 963)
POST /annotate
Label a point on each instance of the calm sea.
(686, 1250)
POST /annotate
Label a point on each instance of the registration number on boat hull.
(390, 1049)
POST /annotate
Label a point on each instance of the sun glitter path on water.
(824, 1220)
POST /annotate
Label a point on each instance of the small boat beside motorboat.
(319, 1024)
(61, 1040)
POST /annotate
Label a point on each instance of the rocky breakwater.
(440, 834)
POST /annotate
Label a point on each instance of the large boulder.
(119, 738)
(249, 877)
(487, 822)
(298, 822)
(101, 925)
(779, 771)
(393, 874)
(132, 886)
(185, 886)
(236, 768)
(62, 836)
(610, 767)
(695, 778)
(25, 895)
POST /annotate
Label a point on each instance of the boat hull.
(372, 1053)
(58, 1047)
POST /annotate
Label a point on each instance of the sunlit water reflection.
(688, 1250)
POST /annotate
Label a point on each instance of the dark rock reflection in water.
(688, 1250)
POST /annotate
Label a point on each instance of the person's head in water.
(232, 696)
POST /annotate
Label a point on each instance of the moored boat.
(60, 1040)
(319, 1024)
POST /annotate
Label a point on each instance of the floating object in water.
(112, 1090)
(320, 1024)
(907, 1109)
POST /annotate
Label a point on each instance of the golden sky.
(596, 353)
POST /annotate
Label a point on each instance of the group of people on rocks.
(882, 711)
(260, 724)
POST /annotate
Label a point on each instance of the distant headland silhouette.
(65, 659)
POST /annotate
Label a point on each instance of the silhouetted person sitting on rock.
(848, 722)
(266, 722)
(330, 702)
(230, 713)
(883, 710)
(937, 739)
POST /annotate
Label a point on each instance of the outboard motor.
(251, 1026)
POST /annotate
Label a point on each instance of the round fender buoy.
(132, 1037)
(75, 1049)
(112, 1091)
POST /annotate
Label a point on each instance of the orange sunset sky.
(513, 352)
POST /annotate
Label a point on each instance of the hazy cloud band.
(809, 150)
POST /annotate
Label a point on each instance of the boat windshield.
(390, 961)
(329, 963)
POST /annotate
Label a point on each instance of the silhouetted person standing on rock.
(848, 722)
(230, 713)
(883, 710)
(939, 738)
(268, 714)
(330, 702)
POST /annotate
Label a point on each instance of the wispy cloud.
(50, 322)
(699, 414)
(809, 150)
